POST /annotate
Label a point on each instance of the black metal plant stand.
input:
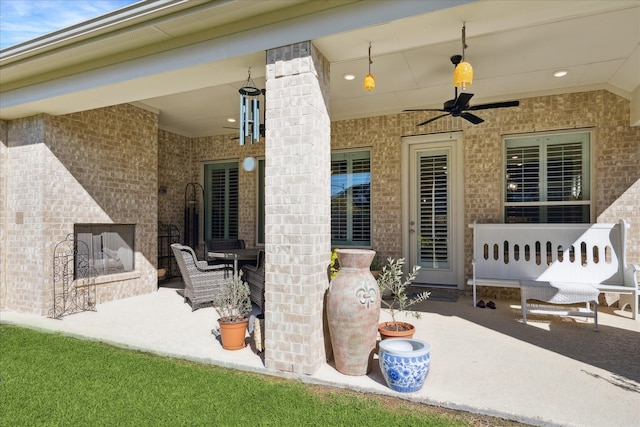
(191, 214)
(74, 278)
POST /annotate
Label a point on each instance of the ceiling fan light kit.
(463, 75)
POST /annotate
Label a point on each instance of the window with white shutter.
(351, 199)
(221, 200)
(547, 179)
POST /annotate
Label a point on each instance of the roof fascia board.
(105, 23)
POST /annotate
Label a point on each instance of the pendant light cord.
(464, 39)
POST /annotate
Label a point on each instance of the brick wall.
(4, 152)
(297, 219)
(175, 168)
(96, 166)
(227, 148)
(616, 154)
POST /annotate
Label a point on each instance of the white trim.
(452, 141)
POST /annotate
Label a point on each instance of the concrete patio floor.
(552, 371)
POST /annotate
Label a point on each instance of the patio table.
(236, 255)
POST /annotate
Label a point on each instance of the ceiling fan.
(459, 105)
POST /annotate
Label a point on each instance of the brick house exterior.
(108, 165)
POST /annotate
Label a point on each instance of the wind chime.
(250, 111)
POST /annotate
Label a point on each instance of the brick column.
(298, 206)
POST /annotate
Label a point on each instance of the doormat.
(443, 296)
(438, 296)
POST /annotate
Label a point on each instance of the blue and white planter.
(404, 363)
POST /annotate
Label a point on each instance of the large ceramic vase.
(404, 363)
(353, 312)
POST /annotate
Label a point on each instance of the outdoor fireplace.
(110, 246)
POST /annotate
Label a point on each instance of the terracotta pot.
(353, 312)
(232, 334)
(387, 330)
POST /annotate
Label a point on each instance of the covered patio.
(126, 115)
(551, 371)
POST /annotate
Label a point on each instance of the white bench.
(577, 255)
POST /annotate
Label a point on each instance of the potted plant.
(233, 306)
(391, 283)
(334, 265)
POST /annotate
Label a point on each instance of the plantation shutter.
(434, 210)
(339, 202)
(351, 199)
(221, 201)
(361, 208)
(564, 182)
(547, 179)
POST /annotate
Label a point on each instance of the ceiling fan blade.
(472, 118)
(426, 109)
(494, 105)
(462, 100)
(227, 127)
(432, 119)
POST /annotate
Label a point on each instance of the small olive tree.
(390, 280)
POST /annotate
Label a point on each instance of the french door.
(434, 218)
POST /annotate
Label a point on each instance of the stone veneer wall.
(96, 166)
(615, 160)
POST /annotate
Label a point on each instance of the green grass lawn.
(52, 380)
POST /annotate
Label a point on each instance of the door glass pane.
(433, 211)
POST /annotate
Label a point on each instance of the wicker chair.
(201, 281)
(254, 276)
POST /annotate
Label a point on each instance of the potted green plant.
(233, 306)
(391, 283)
(334, 265)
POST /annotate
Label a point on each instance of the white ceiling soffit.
(513, 46)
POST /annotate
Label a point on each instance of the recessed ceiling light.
(231, 120)
(560, 73)
(349, 76)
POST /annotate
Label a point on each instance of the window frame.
(261, 197)
(350, 155)
(207, 214)
(552, 138)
